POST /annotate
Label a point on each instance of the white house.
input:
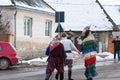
(32, 22)
(82, 13)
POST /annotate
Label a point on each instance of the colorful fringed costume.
(89, 50)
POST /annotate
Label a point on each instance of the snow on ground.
(43, 61)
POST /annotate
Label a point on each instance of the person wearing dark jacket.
(116, 48)
(56, 59)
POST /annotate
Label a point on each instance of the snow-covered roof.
(5, 2)
(110, 2)
(81, 13)
(114, 13)
(113, 9)
(31, 4)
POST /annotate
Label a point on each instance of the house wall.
(38, 42)
(104, 41)
(116, 33)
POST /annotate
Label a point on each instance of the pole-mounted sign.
(59, 16)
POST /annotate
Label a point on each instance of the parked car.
(8, 55)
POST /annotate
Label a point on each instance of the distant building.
(82, 13)
(113, 10)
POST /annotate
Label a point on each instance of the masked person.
(89, 50)
(55, 59)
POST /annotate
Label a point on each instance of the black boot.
(61, 76)
(89, 78)
(57, 75)
(47, 76)
(69, 75)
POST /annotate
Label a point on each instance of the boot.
(57, 75)
(47, 76)
(69, 75)
(61, 76)
(89, 78)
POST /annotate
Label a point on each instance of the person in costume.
(56, 59)
(78, 42)
(89, 50)
(69, 47)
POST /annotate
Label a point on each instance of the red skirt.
(55, 63)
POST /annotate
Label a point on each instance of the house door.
(110, 45)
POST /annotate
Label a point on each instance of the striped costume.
(89, 50)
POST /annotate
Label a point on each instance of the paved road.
(107, 70)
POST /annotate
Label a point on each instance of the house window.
(28, 26)
(48, 28)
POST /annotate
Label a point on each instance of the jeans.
(118, 53)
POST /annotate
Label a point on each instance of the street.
(106, 71)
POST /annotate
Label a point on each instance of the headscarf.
(54, 43)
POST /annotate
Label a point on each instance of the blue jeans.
(118, 53)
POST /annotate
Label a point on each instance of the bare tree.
(5, 26)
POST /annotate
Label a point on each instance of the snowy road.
(27, 72)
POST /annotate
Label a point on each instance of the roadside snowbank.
(43, 61)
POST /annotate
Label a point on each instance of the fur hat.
(85, 29)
